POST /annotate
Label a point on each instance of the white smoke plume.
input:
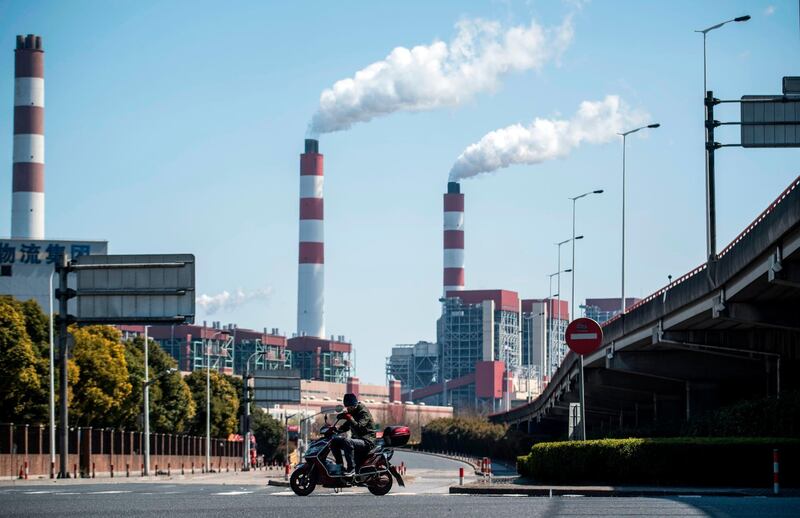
(440, 74)
(545, 139)
(226, 301)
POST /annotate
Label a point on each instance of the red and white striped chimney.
(27, 202)
(453, 238)
(311, 268)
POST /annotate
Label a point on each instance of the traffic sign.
(584, 336)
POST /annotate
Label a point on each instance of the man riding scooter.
(359, 422)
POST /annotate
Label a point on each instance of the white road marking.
(283, 493)
(37, 492)
(402, 494)
(107, 492)
(232, 493)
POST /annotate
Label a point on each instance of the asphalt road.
(425, 496)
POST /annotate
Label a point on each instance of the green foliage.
(22, 389)
(171, 405)
(662, 461)
(474, 436)
(765, 417)
(103, 385)
(269, 435)
(224, 404)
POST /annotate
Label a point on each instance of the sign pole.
(583, 404)
(583, 336)
(63, 297)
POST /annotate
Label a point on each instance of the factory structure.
(493, 349)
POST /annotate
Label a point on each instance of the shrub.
(474, 436)
(673, 461)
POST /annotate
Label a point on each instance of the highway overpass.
(725, 331)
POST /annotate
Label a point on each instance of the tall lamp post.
(246, 449)
(624, 143)
(711, 209)
(146, 386)
(572, 305)
(208, 400)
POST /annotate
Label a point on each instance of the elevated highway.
(725, 331)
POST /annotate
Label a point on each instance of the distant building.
(479, 346)
(26, 266)
(321, 359)
(601, 310)
(545, 321)
(413, 365)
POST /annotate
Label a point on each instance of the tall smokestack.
(27, 202)
(453, 238)
(311, 270)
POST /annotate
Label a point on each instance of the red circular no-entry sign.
(584, 336)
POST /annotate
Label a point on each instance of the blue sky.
(176, 127)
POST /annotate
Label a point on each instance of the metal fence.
(25, 450)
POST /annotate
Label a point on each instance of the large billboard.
(135, 289)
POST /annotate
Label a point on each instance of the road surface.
(425, 496)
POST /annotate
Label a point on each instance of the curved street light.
(624, 136)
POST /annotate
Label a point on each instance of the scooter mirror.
(339, 408)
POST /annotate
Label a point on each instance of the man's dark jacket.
(362, 427)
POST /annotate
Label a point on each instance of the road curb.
(548, 491)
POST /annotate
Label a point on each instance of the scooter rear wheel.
(303, 482)
(381, 485)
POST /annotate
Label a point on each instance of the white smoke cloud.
(545, 139)
(226, 301)
(440, 74)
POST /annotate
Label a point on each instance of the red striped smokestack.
(27, 202)
(453, 238)
(311, 267)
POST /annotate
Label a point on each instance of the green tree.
(224, 404)
(171, 405)
(21, 387)
(103, 385)
(269, 435)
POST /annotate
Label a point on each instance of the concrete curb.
(608, 491)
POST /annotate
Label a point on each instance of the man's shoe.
(349, 472)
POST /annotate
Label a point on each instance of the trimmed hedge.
(474, 436)
(734, 462)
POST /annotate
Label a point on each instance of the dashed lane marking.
(106, 492)
(232, 493)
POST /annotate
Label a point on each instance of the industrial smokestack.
(27, 202)
(453, 238)
(311, 268)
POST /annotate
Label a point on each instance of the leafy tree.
(224, 404)
(269, 435)
(103, 386)
(171, 405)
(20, 383)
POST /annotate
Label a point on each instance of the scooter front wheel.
(303, 481)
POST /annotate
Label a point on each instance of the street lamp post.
(624, 142)
(572, 308)
(711, 210)
(246, 449)
(558, 323)
(208, 399)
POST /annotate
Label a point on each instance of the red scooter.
(373, 471)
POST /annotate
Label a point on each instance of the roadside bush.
(733, 461)
(474, 436)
